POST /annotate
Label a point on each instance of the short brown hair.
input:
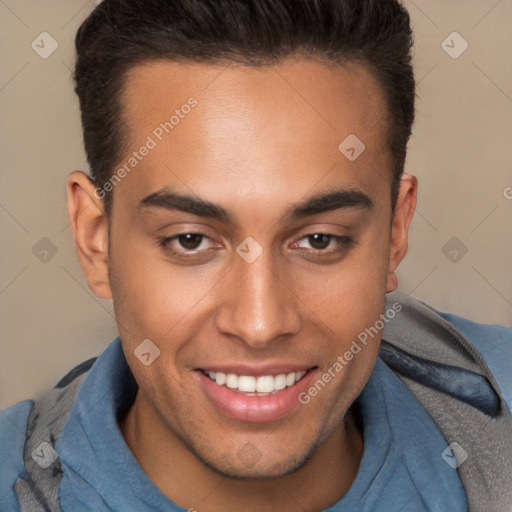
(120, 34)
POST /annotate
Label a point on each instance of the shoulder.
(24, 427)
(13, 428)
(494, 343)
(452, 341)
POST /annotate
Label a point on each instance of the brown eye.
(319, 241)
(188, 244)
(323, 247)
(190, 241)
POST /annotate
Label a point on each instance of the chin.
(249, 464)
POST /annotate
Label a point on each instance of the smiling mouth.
(249, 385)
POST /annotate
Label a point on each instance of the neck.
(188, 482)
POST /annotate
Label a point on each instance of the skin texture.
(259, 142)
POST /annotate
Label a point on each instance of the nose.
(258, 306)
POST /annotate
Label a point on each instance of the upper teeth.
(250, 384)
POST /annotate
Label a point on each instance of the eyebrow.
(335, 200)
(185, 203)
(324, 202)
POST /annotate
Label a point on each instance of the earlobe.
(90, 230)
(402, 217)
(391, 282)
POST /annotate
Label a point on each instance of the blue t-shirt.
(401, 468)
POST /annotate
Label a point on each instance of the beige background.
(461, 152)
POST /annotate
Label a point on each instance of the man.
(246, 212)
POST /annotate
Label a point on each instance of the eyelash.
(165, 241)
(345, 243)
(343, 240)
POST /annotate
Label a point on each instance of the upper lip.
(256, 370)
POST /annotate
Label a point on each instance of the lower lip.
(254, 409)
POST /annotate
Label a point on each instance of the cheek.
(349, 296)
(355, 314)
(150, 294)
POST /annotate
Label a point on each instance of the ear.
(90, 229)
(402, 217)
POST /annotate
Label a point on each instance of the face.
(251, 252)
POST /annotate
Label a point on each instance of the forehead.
(280, 124)
(316, 88)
